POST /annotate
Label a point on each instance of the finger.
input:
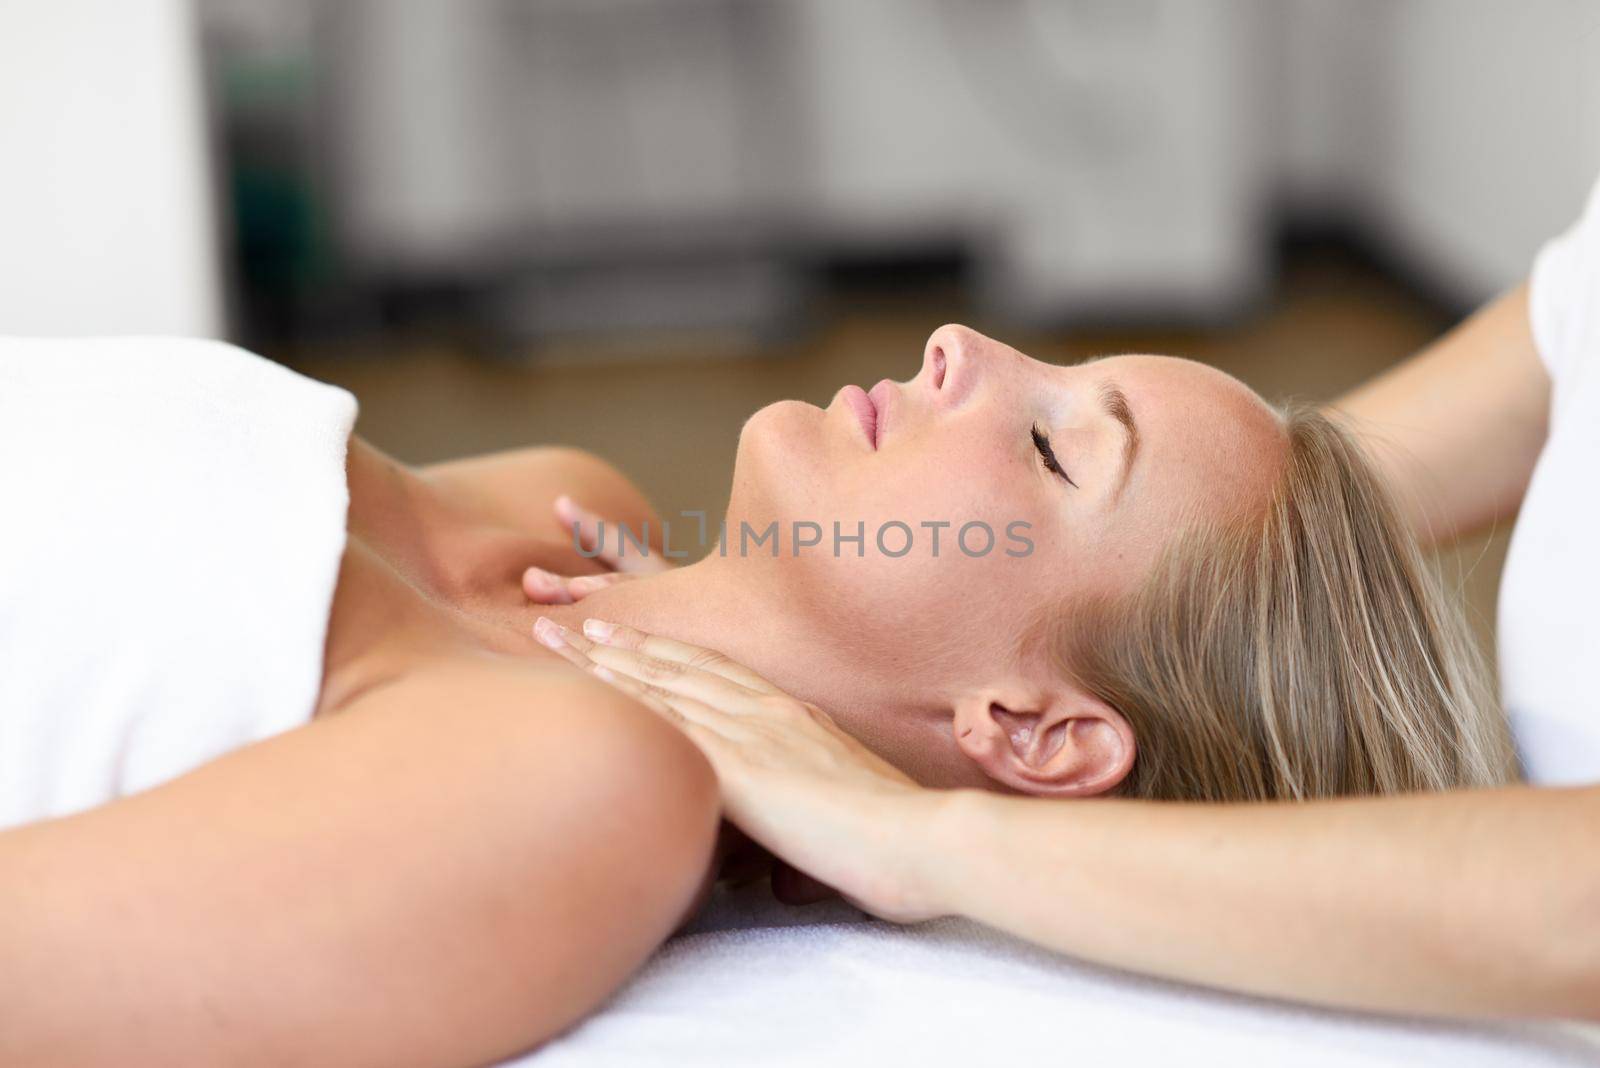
(552, 636)
(699, 721)
(617, 636)
(684, 711)
(604, 541)
(728, 698)
(547, 587)
(543, 587)
(642, 692)
(577, 650)
(721, 697)
(581, 586)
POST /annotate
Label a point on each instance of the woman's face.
(988, 490)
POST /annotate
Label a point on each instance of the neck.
(705, 605)
(728, 609)
(736, 608)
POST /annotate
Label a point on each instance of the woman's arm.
(1469, 904)
(455, 867)
(1457, 428)
(538, 490)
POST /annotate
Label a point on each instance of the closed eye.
(1047, 455)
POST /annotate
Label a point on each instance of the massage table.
(751, 982)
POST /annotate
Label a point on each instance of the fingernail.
(604, 673)
(599, 630)
(565, 508)
(537, 576)
(547, 631)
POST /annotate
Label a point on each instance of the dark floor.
(670, 419)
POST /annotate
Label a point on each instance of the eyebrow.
(1115, 403)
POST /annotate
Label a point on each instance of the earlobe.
(1066, 744)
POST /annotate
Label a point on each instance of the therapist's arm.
(1457, 427)
(1469, 904)
(1482, 903)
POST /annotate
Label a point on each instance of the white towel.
(954, 993)
(171, 524)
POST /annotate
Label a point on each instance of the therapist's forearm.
(1469, 904)
(1457, 428)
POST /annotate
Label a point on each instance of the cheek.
(1001, 552)
(949, 476)
(973, 579)
(960, 500)
(951, 617)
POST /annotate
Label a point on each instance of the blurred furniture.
(553, 167)
(651, 163)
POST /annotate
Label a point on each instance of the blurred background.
(626, 224)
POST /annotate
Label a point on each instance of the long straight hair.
(1305, 651)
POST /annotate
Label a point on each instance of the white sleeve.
(1562, 289)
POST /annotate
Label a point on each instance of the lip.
(866, 411)
(881, 396)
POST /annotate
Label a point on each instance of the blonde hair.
(1304, 651)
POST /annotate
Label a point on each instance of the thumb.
(547, 587)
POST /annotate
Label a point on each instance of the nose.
(951, 363)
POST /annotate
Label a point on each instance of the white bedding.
(733, 990)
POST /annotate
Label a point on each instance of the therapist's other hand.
(790, 777)
(602, 539)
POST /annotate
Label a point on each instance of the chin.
(783, 418)
(781, 468)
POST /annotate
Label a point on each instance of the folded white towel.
(173, 524)
(954, 993)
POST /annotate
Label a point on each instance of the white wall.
(1462, 132)
(1105, 152)
(1117, 156)
(106, 224)
(1494, 134)
(1109, 149)
(1465, 132)
(461, 124)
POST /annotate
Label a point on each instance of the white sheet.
(954, 993)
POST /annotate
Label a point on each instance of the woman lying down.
(288, 781)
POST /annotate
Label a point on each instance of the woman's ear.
(1064, 743)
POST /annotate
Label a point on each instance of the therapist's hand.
(791, 779)
(548, 587)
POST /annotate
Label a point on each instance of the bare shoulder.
(464, 860)
(541, 710)
(518, 486)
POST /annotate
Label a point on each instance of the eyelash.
(1047, 455)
